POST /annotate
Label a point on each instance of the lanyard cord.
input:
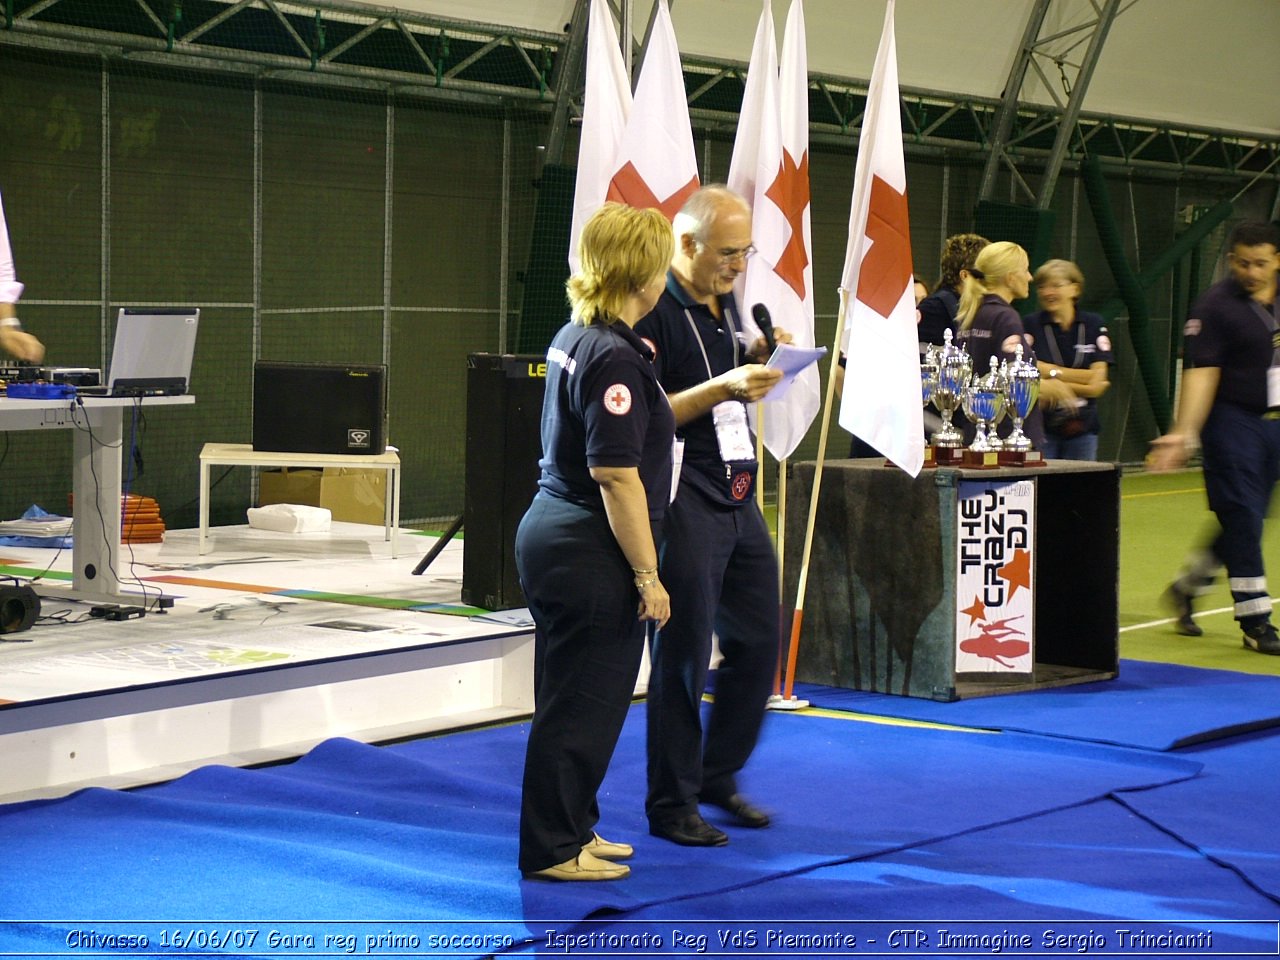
(697, 338)
(1272, 319)
(1051, 339)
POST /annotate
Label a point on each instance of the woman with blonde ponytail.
(990, 327)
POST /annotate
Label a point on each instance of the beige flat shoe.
(582, 867)
(607, 849)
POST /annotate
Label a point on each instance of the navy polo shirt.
(1228, 329)
(1086, 343)
(691, 346)
(603, 407)
(993, 325)
(937, 315)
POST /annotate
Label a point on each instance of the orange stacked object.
(140, 520)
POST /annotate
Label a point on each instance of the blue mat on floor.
(1156, 706)
(1225, 812)
(1178, 865)
(419, 838)
(1096, 868)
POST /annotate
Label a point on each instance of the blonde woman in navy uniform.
(586, 549)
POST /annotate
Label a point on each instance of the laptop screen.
(153, 351)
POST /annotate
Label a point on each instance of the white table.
(243, 455)
(98, 449)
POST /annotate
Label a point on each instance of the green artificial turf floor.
(1162, 516)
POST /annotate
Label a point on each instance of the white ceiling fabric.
(1185, 62)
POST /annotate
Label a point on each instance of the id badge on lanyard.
(732, 433)
(729, 419)
(736, 449)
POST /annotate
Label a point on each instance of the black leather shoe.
(1180, 603)
(689, 831)
(748, 814)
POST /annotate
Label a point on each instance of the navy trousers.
(587, 651)
(719, 566)
(1241, 467)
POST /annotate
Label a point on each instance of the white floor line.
(1161, 623)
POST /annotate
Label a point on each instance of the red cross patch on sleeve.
(617, 399)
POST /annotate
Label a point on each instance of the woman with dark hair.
(937, 312)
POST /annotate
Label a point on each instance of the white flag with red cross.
(770, 167)
(606, 106)
(881, 402)
(656, 165)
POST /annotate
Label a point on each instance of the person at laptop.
(13, 339)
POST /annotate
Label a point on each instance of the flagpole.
(760, 454)
(782, 580)
(797, 617)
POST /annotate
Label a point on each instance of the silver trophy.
(954, 367)
(1023, 385)
(984, 403)
(929, 374)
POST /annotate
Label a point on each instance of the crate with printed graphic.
(961, 582)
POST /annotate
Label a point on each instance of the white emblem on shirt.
(1192, 328)
(617, 399)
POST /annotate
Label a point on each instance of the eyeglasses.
(736, 253)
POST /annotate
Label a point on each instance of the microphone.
(760, 313)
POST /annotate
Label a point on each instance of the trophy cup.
(984, 403)
(1023, 385)
(954, 367)
(928, 386)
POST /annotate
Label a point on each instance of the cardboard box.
(350, 494)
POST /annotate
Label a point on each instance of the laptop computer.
(152, 353)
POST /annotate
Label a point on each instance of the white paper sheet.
(790, 359)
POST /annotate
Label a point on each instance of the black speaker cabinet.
(504, 445)
(320, 407)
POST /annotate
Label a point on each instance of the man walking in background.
(1230, 404)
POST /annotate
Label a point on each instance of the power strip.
(113, 611)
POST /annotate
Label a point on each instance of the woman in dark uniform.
(586, 549)
(990, 327)
(1072, 345)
